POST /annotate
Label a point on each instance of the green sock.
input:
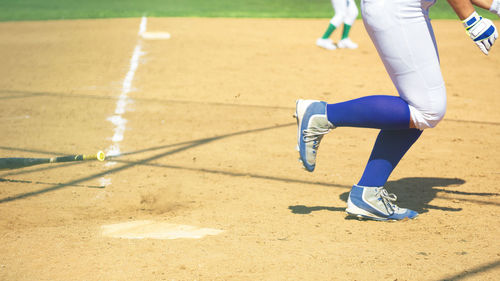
(329, 31)
(345, 32)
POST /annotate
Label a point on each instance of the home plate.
(155, 230)
(155, 35)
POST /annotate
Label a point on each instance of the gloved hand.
(495, 7)
(481, 31)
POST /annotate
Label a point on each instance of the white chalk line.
(142, 26)
(117, 118)
(123, 100)
(151, 35)
(155, 35)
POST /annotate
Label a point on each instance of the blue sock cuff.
(378, 112)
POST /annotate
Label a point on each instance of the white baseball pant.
(403, 36)
(346, 12)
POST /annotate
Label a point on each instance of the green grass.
(17, 10)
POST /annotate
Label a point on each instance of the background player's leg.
(350, 17)
(340, 9)
(331, 28)
(345, 31)
(325, 41)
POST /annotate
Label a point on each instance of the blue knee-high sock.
(379, 112)
(389, 148)
(389, 113)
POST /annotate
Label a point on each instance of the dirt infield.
(209, 142)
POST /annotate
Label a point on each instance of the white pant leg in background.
(352, 12)
(404, 39)
(346, 12)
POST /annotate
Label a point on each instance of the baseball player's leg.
(316, 118)
(340, 8)
(351, 15)
(403, 36)
(389, 148)
(391, 114)
(368, 198)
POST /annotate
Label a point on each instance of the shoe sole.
(329, 49)
(368, 216)
(353, 210)
(332, 47)
(299, 123)
(363, 217)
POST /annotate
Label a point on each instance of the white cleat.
(312, 125)
(347, 44)
(377, 204)
(325, 43)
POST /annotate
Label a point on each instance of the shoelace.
(314, 134)
(388, 198)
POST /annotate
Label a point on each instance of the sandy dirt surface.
(209, 142)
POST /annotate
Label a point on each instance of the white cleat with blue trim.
(377, 204)
(312, 125)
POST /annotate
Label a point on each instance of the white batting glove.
(495, 7)
(481, 31)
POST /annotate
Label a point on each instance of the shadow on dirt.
(173, 149)
(413, 193)
(468, 273)
(304, 210)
